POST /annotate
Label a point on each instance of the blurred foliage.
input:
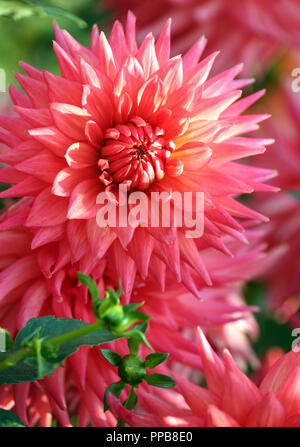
(272, 331)
(30, 38)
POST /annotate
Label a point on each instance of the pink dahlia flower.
(231, 399)
(284, 212)
(126, 115)
(251, 31)
(43, 282)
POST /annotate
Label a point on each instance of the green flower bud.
(132, 369)
(114, 316)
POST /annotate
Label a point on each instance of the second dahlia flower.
(231, 399)
(252, 31)
(129, 115)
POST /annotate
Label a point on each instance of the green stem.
(23, 353)
(129, 404)
(64, 338)
(15, 357)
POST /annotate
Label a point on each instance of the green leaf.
(155, 359)
(21, 372)
(42, 11)
(9, 419)
(46, 328)
(111, 356)
(90, 284)
(116, 389)
(160, 380)
(17, 10)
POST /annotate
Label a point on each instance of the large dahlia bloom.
(43, 281)
(126, 115)
(251, 31)
(231, 399)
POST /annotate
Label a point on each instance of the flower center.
(135, 154)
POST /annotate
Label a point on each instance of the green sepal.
(111, 356)
(155, 359)
(160, 380)
(90, 284)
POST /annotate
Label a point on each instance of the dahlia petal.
(22, 270)
(81, 155)
(44, 166)
(193, 155)
(240, 393)
(243, 104)
(141, 257)
(150, 96)
(15, 125)
(190, 253)
(163, 44)
(52, 139)
(268, 413)
(18, 98)
(212, 365)
(83, 200)
(198, 398)
(67, 179)
(36, 117)
(107, 61)
(9, 139)
(21, 393)
(220, 83)
(11, 176)
(93, 133)
(99, 105)
(192, 56)
(63, 90)
(146, 55)
(130, 32)
(125, 269)
(68, 67)
(212, 108)
(47, 210)
(36, 90)
(100, 239)
(54, 386)
(29, 187)
(95, 40)
(133, 419)
(118, 43)
(79, 364)
(70, 120)
(76, 232)
(218, 418)
(46, 235)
